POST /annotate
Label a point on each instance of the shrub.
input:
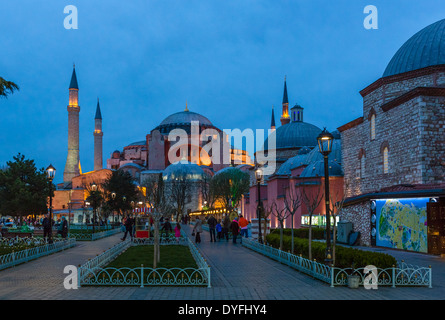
(345, 257)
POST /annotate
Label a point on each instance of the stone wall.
(360, 216)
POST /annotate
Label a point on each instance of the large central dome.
(183, 120)
(426, 48)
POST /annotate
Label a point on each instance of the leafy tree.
(230, 185)
(122, 184)
(24, 189)
(7, 87)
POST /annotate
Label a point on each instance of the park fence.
(401, 275)
(95, 272)
(41, 249)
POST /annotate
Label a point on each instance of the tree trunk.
(310, 237)
(292, 233)
(334, 241)
(281, 234)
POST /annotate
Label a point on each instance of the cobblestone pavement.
(237, 273)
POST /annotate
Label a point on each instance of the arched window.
(362, 166)
(385, 160)
(372, 120)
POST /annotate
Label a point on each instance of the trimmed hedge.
(317, 233)
(344, 257)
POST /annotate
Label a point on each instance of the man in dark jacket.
(212, 228)
(167, 227)
(226, 226)
(234, 226)
(47, 227)
(129, 222)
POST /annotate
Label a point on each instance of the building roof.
(424, 49)
(316, 169)
(183, 169)
(185, 117)
(98, 113)
(291, 163)
(73, 83)
(295, 134)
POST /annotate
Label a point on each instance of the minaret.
(72, 166)
(98, 134)
(285, 119)
(272, 123)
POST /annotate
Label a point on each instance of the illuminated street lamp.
(50, 174)
(258, 177)
(325, 145)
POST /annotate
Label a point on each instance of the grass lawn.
(172, 256)
(9, 249)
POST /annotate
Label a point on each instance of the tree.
(24, 189)
(207, 190)
(95, 198)
(292, 201)
(311, 201)
(337, 200)
(7, 87)
(179, 190)
(281, 214)
(230, 185)
(156, 198)
(122, 184)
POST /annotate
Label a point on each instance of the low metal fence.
(22, 256)
(95, 272)
(401, 275)
(87, 236)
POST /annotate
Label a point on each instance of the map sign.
(402, 224)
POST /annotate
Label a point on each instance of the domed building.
(393, 155)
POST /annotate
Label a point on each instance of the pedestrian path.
(237, 273)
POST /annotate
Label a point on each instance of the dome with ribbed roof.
(183, 169)
(296, 134)
(183, 120)
(424, 49)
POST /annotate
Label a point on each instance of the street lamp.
(94, 196)
(50, 173)
(258, 176)
(325, 145)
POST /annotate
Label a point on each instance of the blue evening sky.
(227, 58)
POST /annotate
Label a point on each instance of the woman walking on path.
(226, 226)
(197, 229)
(234, 226)
(177, 232)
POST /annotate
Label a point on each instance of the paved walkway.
(236, 273)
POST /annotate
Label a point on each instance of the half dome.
(424, 49)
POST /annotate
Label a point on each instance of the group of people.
(219, 230)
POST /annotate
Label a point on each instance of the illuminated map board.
(402, 224)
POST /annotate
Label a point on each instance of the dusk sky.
(144, 59)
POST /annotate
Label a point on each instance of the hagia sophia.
(387, 166)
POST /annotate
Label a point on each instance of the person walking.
(63, 227)
(243, 224)
(226, 227)
(47, 227)
(167, 227)
(234, 226)
(197, 229)
(219, 230)
(212, 228)
(177, 232)
(128, 227)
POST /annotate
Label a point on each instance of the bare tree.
(292, 202)
(156, 198)
(311, 202)
(179, 191)
(281, 214)
(336, 202)
(207, 190)
(265, 214)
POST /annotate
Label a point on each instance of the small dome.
(183, 169)
(316, 169)
(291, 163)
(295, 134)
(304, 150)
(424, 49)
(335, 154)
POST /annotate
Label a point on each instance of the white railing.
(22, 256)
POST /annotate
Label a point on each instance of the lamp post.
(94, 196)
(113, 196)
(258, 176)
(50, 173)
(325, 145)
